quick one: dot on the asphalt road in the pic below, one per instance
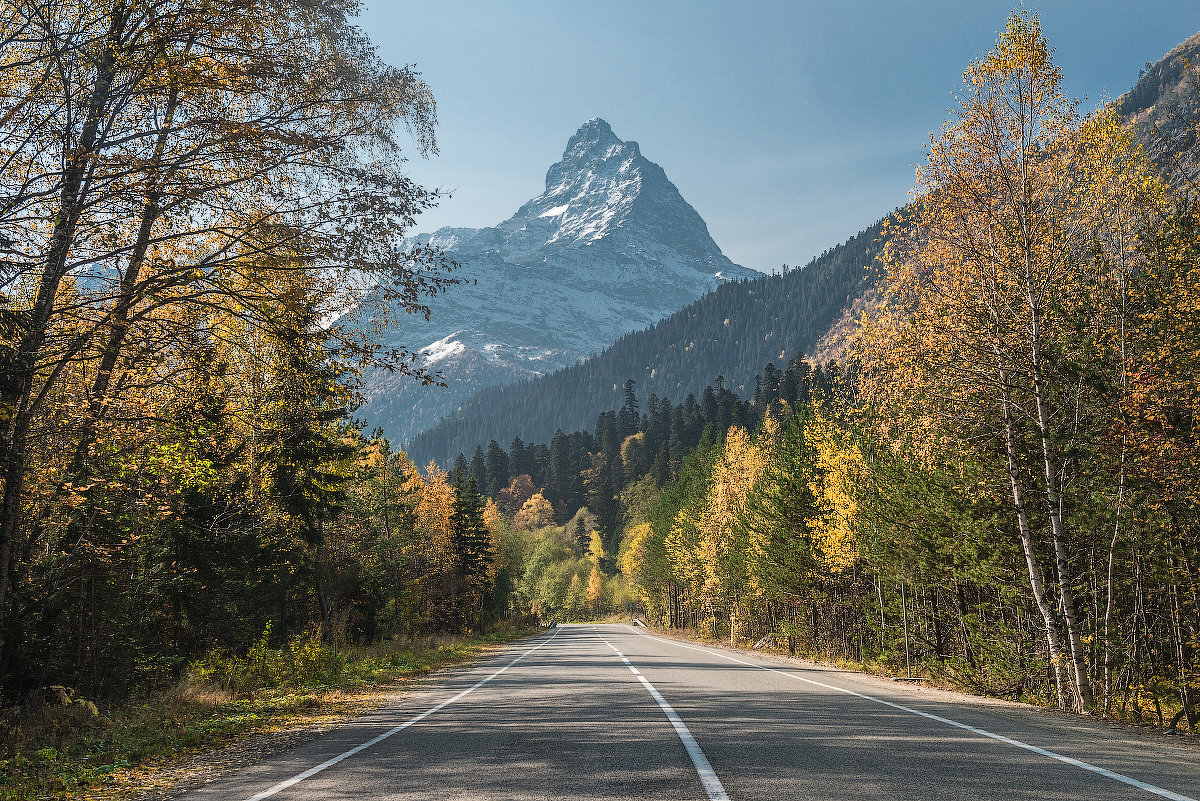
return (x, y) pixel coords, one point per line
(593, 712)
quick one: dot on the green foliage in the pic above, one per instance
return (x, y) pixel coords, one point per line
(306, 660)
(556, 579)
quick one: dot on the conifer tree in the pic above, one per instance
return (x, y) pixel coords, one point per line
(473, 549)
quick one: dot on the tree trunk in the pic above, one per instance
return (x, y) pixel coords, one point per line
(17, 393)
(1052, 474)
(1110, 575)
(1036, 581)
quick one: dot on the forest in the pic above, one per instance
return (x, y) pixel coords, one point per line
(997, 487)
(732, 332)
(1001, 490)
(199, 232)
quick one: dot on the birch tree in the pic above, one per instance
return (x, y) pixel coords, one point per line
(986, 336)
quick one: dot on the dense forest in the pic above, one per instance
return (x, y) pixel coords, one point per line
(1003, 492)
(732, 331)
(591, 469)
(189, 199)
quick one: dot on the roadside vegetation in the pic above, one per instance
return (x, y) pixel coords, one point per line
(66, 747)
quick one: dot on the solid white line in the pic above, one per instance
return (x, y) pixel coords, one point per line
(1150, 788)
(708, 776)
(313, 771)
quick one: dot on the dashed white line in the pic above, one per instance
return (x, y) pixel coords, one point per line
(329, 763)
(704, 769)
(1120, 777)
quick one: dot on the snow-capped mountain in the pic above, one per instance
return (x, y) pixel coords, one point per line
(610, 247)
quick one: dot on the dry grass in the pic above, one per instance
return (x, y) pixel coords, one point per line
(74, 751)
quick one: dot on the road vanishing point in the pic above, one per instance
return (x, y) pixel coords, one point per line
(612, 712)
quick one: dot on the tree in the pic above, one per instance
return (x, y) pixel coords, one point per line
(595, 591)
(188, 157)
(474, 551)
(496, 469)
(628, 419)
(780, 511)
(708, 543)
(1025, 211)
(514, 496)
(535, 513)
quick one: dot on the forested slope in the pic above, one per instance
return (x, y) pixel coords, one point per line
(732, 331)
(1006, 493)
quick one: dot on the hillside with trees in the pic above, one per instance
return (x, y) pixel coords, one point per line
(1004, 494)
(732, 331)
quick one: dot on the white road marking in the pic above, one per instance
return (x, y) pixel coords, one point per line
(1150, 788)
(313, 771)
(708, 776)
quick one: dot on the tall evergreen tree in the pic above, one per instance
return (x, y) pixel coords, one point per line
(478, 468)
(473, 551)
(496, 468)
(628, 418)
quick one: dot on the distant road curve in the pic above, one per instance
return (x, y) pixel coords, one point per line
(609, 711)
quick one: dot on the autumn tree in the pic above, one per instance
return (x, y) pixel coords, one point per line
(173, 155)
(513, 497)
(535, 513)
(1025, 213)
(708, 541)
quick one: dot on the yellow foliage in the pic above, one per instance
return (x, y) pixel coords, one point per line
(634, 557)
(708, 546)
(434, 513)
(495, 522)
(840, 466)
(596, 548)
(595, 589)
(535, 513)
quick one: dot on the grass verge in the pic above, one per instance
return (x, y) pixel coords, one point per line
(1150, 709)
(68, 748)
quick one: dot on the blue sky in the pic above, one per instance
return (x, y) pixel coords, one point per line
(788, 125)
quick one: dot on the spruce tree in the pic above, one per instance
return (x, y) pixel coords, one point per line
(473, 549)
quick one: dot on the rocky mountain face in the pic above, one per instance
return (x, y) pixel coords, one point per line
(1163, 107)
(610, 247)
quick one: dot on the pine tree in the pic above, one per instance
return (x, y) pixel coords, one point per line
(473, 548)
(496, 468)
(628, 419)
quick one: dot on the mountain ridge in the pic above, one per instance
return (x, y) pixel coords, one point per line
(609, 246)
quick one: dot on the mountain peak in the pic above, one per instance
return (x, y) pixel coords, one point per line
(595, 141)
(594, 130)
(610, 246)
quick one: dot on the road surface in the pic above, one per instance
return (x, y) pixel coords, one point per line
(609, 711)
